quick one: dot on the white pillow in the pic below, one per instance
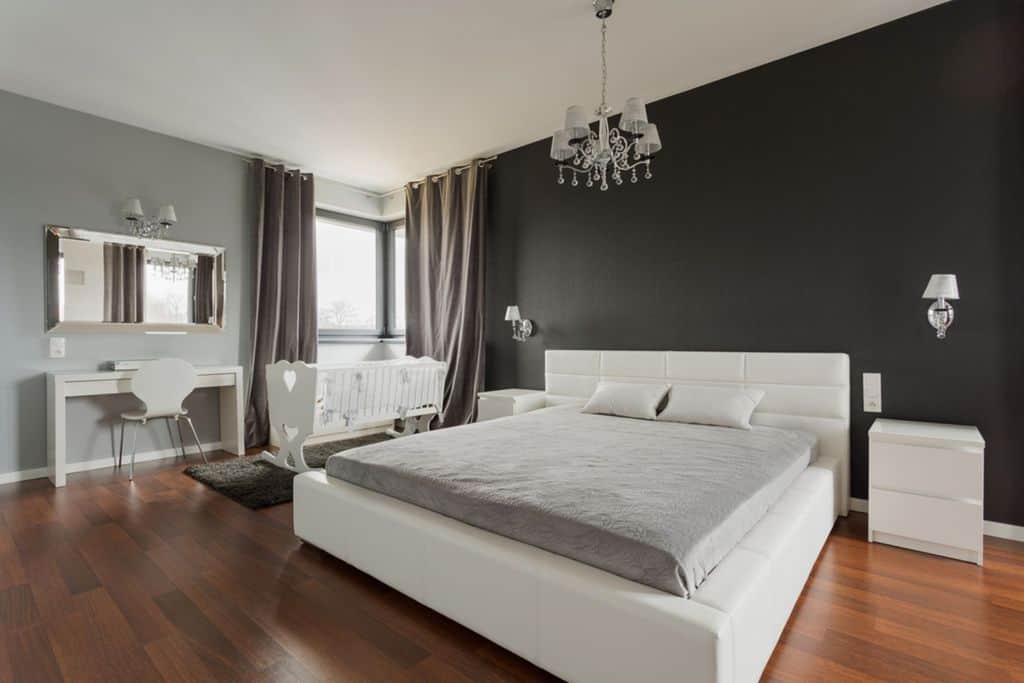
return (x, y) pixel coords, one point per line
(627, 399)
(719, 406)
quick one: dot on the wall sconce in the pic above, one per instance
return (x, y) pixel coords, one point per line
(940, 314)
(521, 329)
(143, 227)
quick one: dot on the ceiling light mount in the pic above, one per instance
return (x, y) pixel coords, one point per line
(603, 8)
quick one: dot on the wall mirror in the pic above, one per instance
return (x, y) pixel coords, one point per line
(104, 281)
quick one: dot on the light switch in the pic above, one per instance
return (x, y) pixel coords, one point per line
(58, 347)
(872, 392)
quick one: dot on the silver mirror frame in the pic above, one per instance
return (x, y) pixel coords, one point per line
(52, 236)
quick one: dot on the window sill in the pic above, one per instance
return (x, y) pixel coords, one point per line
(357, 339)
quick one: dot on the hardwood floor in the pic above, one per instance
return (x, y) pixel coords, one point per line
(165, 579)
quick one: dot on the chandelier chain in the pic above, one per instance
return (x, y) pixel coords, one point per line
(604, 66)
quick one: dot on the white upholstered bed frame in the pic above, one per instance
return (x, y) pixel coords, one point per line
(582, 623)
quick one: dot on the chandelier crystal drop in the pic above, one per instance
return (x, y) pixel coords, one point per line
(608, 153)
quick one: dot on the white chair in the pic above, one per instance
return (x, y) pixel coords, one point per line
(162, 385)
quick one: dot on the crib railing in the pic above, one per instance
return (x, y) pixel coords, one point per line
(306, 400)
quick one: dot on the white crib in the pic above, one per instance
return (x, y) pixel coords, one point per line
(305, 400)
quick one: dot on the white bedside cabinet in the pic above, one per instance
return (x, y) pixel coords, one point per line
(927, 485)
(506, 402)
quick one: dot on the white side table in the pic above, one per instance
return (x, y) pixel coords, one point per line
(927, 483)
(507, 402)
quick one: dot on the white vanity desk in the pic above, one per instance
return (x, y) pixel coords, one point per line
(61, 386)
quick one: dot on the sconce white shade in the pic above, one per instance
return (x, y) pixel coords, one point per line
(132, 209)
(634, 116)
(576, 124)
(941, 287)
(167, 215)
(512, 313)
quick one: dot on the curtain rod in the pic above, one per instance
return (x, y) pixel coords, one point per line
(459, 168)
(484, 162)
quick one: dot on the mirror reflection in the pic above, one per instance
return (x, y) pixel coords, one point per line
(98, 279)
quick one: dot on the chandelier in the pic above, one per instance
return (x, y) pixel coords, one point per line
(610, 152)
(171, 266)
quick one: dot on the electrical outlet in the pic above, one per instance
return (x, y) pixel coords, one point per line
(872, 392)
(58, 347)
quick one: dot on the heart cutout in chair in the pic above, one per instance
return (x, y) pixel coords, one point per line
(289, 433)
(289, 378)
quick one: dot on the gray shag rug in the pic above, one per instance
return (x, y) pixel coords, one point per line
(255, 483)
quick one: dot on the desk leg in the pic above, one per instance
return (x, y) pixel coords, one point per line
(56, 432)
(232, 416)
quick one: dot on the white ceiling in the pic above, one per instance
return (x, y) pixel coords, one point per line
(377, 92)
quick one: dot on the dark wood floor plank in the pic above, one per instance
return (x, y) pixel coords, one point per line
(217, 652)
(17, 607)
(96, 643)
(76, 573)
(164, 579)
(176, 660)
(27, 655)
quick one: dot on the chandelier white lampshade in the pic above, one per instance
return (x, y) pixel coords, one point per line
(132, 209)
(607, 153)
(167, 215)
(512, 314)
(634, 116)
(941, 286)
(576, 126)
(561, 150)
(649, 143)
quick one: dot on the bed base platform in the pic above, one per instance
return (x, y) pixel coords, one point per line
(578, 622)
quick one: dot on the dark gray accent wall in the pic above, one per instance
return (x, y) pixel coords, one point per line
(801, 206)
(68, 168)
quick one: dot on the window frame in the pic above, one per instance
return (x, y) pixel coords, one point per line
(391, 228)
(385, 297)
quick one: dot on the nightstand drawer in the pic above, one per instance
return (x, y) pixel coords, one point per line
(944, 472)
(492, 408)
(936, 520)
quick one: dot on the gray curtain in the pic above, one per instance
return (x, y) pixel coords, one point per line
(124, 283)
(445, 228)
(284, 325)
(205, 306)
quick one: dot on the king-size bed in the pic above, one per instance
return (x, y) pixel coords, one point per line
(600, 547)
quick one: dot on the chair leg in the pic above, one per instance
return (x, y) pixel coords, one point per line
(120, 452)
(181, 439)
(135, 443)
(195, 436)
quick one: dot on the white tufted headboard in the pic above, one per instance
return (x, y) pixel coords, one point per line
(809, 391)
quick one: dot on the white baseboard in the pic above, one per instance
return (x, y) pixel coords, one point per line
(22, 475)
(101, 463)
(1010, 532)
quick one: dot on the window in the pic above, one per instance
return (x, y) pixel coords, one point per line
(168, 288)
(360, 277)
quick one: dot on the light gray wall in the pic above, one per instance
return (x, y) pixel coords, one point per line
(63, 167)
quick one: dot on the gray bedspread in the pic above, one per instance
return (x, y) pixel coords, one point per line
(660, 503)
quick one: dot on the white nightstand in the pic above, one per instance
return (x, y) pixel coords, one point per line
(927, 484)
(506, 402)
